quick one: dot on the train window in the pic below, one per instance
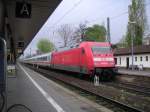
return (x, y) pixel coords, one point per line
(46, 58)
(101, 49)
(35, 59)
(49, 58)
(40, 59)
(43, 58)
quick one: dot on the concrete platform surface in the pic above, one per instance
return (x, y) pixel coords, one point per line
(43, 95)
(135, 72)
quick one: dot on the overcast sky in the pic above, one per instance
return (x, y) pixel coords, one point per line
(75, 12)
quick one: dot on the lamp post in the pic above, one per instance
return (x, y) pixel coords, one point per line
(108, 30)
(132, 35)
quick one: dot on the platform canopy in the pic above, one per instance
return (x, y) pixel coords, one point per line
(24, 18)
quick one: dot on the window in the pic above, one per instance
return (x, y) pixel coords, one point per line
(146, 58)
(141, 58)
(44, 58)
(115, 60)
(49, 58)
(120, 60)
(135, 58)
(101, 49)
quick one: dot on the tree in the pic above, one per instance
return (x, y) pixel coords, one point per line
(122, 43)
(44, 46)
(136, 30)
(95, 33)
(79, 33)
(66, 33)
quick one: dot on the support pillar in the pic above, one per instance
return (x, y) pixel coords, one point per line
(2, 18)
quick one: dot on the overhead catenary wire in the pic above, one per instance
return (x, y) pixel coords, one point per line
(116, 16)
(70, 10)
(65, 14)
(119, 15)
(56, 23)
(124, 13)
(79, 2)
(61, 18)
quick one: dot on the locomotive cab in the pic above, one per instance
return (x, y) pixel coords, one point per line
(100, 59)
(103, 61)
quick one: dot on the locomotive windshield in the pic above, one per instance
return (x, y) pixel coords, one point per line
(101, 49)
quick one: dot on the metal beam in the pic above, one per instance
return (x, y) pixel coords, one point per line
(2, 17)
(24, 29)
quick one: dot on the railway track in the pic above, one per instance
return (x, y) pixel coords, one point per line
(145, 91)
(89, 88)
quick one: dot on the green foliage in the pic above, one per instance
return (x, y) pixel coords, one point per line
(136, 30)
(128, 38)
(122, 43)
(44, 45)
(95, 33)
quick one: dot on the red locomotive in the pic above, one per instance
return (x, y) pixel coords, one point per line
(90, 58)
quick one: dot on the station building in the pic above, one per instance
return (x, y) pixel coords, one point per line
(141, 57)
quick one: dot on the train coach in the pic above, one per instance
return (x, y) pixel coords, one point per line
(88, 59)
(40, 60)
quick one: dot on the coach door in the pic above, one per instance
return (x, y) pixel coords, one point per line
(82, 61)
(127, 62)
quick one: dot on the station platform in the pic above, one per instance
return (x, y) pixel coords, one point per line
(44, 95)
(145, 73)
